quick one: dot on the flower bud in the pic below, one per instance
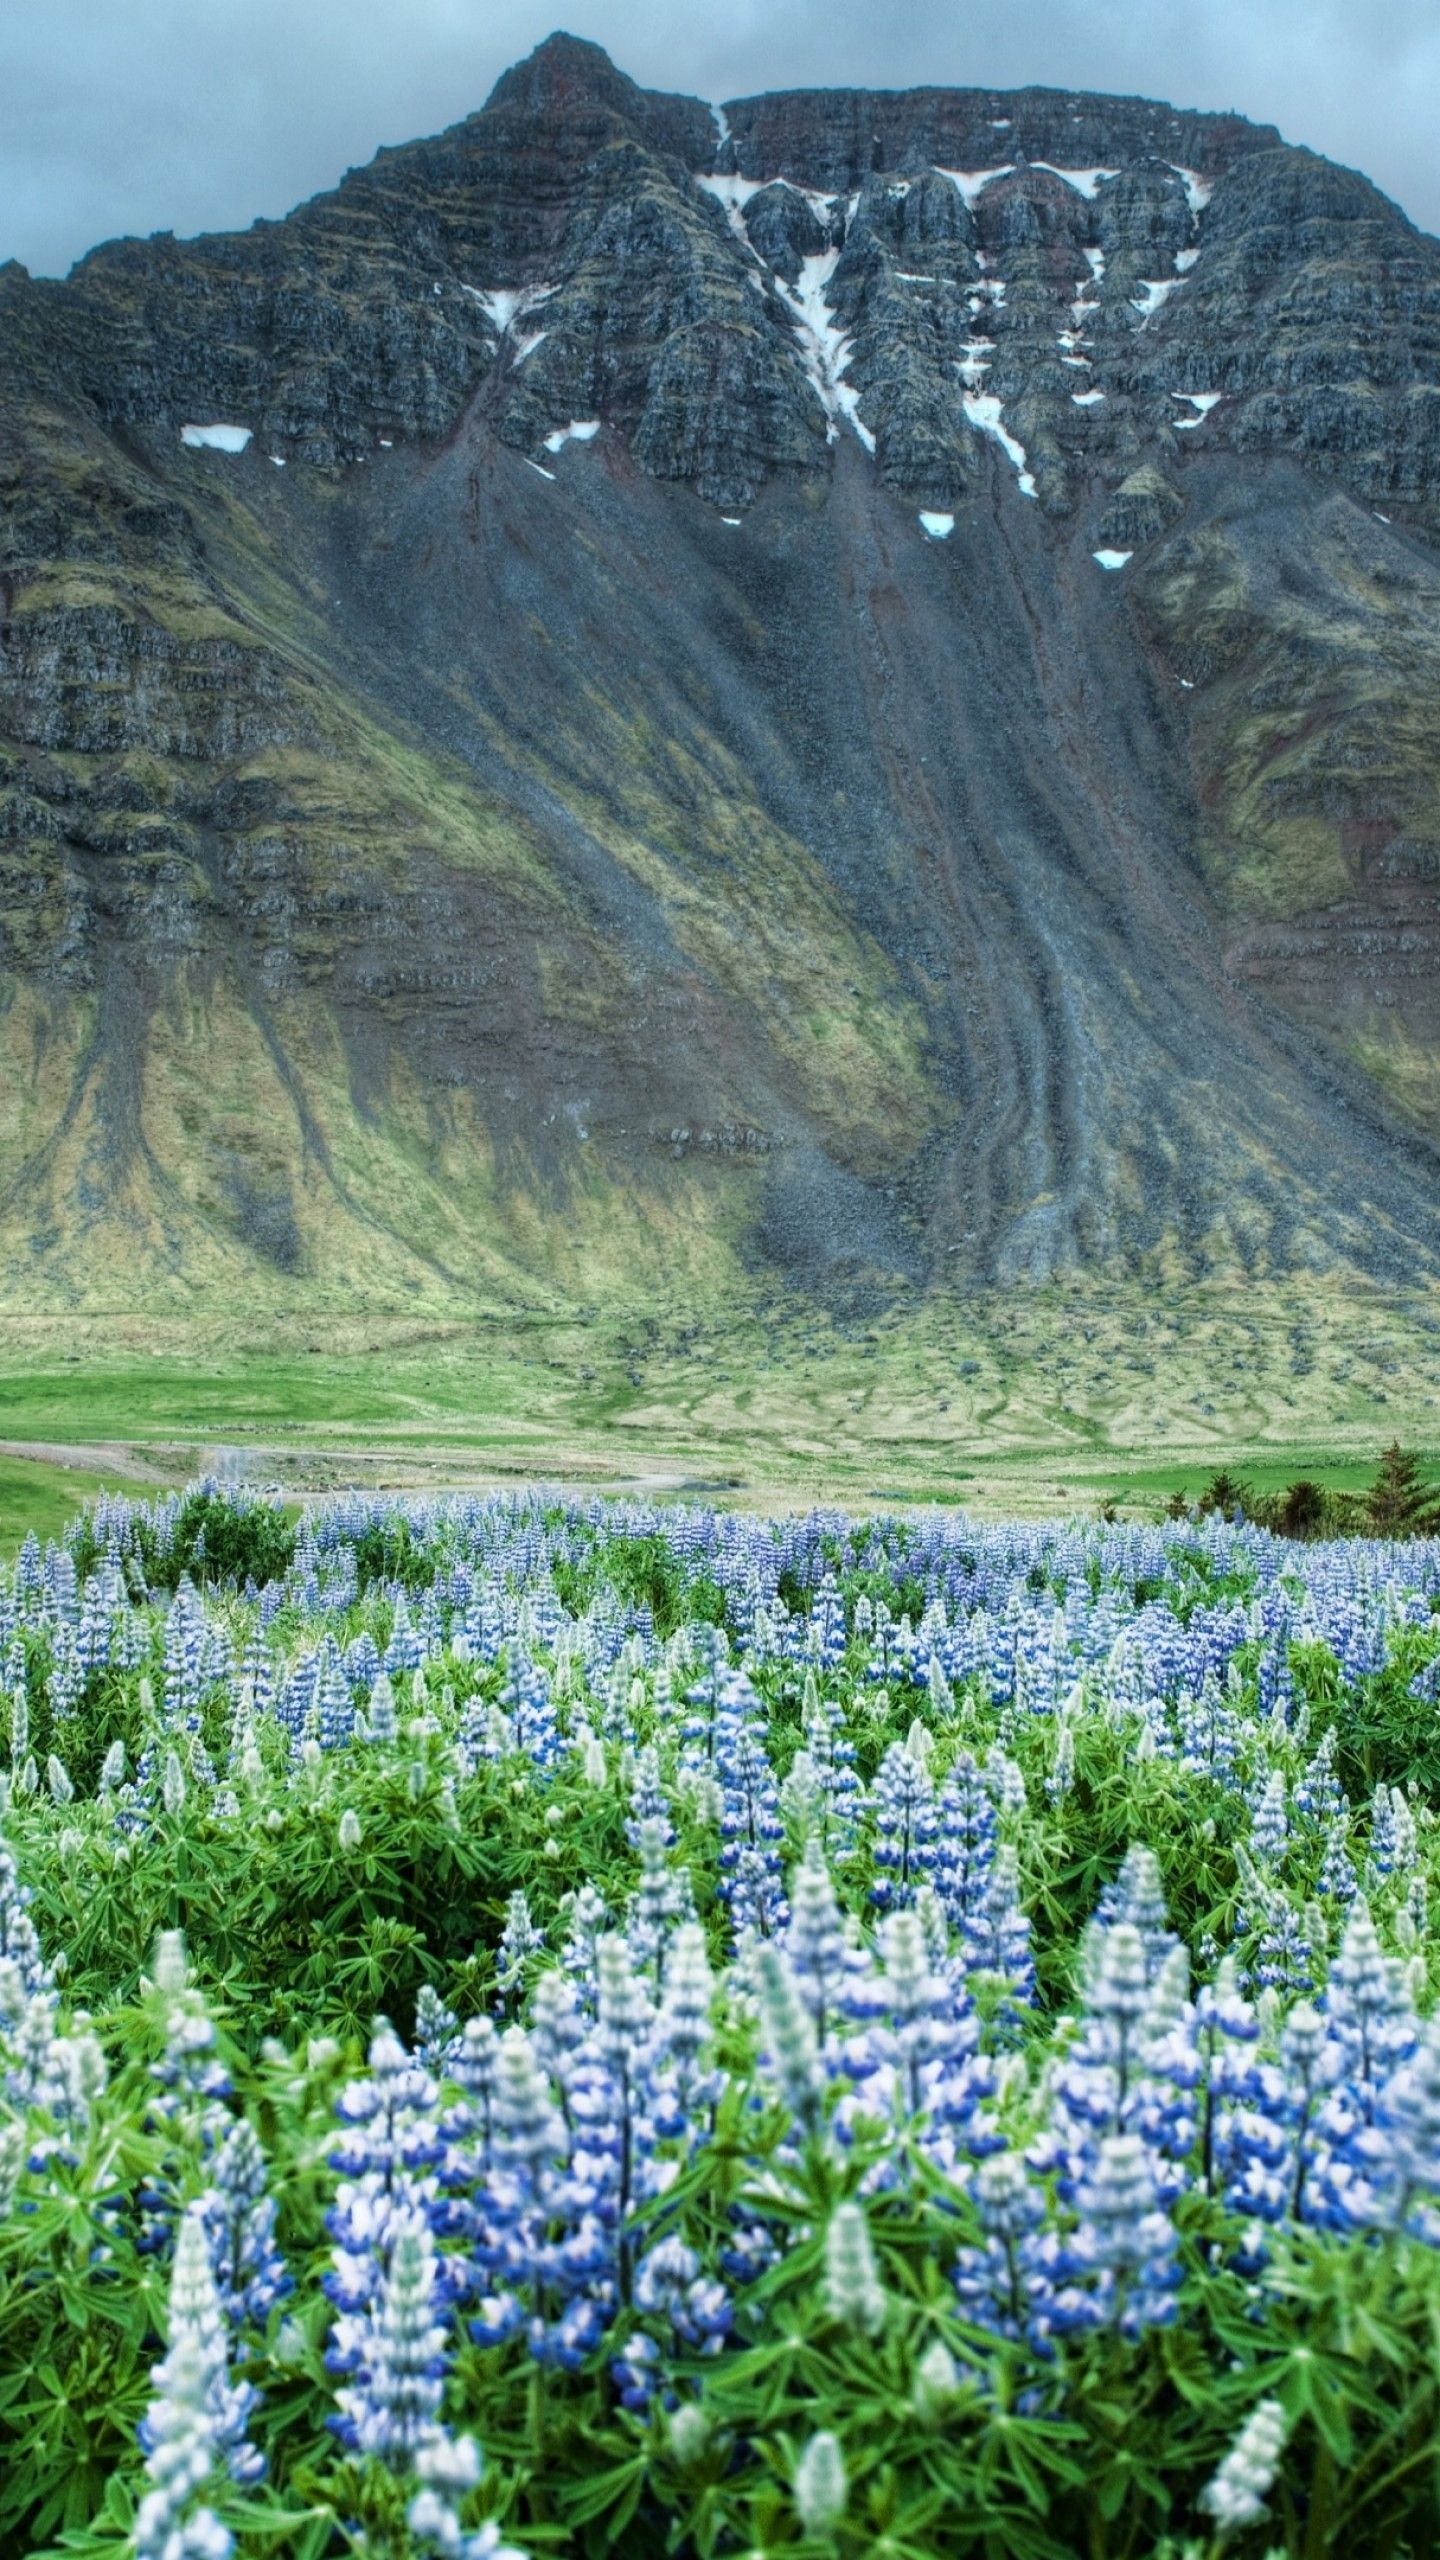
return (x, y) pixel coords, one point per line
(689, 2433)
(937, 2379)
(821, 2488)
(172, 1970)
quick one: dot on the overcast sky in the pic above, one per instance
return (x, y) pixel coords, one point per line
(196, 115)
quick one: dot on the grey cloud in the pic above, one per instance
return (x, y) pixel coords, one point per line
(189, 115)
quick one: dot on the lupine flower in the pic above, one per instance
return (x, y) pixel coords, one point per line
(854, 2294)
(197, 2421)
(520, 1940)
(663, 1897)
(682, 2028)
(1133, 2068)
(238, 2215)
(690, 2308)
(19, 1940)
(821, 2490)
(1337, 1872)
(1237, 2494)
(393, 2352)
(835, 1979)
(446, 2469)
(905, 1826)
(1137, 1897)
(436, 2029)
(965, 1842)
(1124, 2239)
(193, 2083)
(1409, 2171)
(1270, 1826)
(996, 1934)
(1019, 2281)
(790, 2048)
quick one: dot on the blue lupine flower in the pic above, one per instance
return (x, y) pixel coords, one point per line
(996, 1934)
(238, 2215)
(835, 1978)
(520, 1942)
(1020, 2282)
(393, 2350)
(1124, 2240)
(966, 1839)
(905, 1853)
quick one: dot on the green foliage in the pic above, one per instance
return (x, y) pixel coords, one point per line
(387, 1552)
(213, 1537)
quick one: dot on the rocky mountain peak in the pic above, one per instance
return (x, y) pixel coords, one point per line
(567, 77)
(843, 680)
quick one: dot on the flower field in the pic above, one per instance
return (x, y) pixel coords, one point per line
(545, 2027)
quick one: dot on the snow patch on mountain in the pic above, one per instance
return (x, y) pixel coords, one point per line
(984, 411)
(216, 439)
(826, 349)
(579, 431)
(971, 183)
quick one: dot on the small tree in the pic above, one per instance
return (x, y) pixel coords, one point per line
(1399, 1503)
(1226, 1493)
(1302, 1510)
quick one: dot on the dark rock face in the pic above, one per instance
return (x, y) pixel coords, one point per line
(1145, 505)
(411, 821)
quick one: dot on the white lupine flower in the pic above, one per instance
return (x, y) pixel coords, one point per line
(112, 1768)
(195, 2425)
(1237, 2494)
(790, 2036)
(172, 1785)
(172, 1970)
(854, 2294)
(821, 2488)
(349, 1833)
(14, 2152)
(447, 2468)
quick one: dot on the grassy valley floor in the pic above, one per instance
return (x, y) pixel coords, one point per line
(1043, 1400)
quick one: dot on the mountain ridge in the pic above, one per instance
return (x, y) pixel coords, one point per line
(461, 863)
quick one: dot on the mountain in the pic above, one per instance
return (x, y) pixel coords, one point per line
(648, 700)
